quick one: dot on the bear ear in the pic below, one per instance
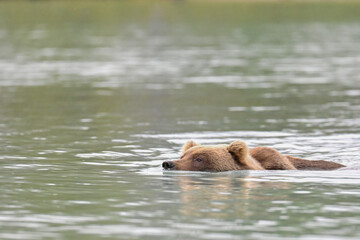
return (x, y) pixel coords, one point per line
(188, 145)
(239, 151)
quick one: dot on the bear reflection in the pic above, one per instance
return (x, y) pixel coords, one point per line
(227, 196)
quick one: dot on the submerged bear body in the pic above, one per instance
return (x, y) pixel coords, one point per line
(237, 156)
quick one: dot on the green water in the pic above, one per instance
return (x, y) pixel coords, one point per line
(94, 96)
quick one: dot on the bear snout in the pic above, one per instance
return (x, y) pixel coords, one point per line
(168, 165)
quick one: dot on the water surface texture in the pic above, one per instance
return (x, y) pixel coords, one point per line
(95, 95)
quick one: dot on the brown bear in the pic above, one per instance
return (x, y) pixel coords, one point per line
(237, 156)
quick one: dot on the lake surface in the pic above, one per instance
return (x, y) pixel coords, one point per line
(94, 96)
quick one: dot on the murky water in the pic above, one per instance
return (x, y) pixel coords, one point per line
(94, 96)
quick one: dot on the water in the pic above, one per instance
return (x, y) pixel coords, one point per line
(94, 96)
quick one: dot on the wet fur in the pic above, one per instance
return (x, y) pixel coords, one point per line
(237, 156)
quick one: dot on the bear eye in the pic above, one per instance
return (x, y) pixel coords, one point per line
(198, 159)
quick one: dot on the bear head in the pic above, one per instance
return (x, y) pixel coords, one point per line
(196, 157)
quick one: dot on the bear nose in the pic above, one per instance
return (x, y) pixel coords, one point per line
(168, 165)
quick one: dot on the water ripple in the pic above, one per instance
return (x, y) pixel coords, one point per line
(104, 154)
